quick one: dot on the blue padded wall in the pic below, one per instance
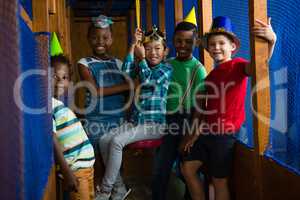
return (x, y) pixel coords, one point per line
(38, 158)
(285, 84)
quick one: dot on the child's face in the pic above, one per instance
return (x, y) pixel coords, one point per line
(220, 48)
(60, 79)
(155, 52)
(184, 43)
(100, 40)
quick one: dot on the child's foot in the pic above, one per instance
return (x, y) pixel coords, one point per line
(102, 196)
(120, 192)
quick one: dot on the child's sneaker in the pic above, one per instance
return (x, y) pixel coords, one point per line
(102, 196)
(120, 192)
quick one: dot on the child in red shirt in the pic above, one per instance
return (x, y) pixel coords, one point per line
(224, 112)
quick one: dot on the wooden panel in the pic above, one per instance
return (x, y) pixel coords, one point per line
(50, 190)
(161, 15)
(242, 186)
(149, 14)
(205, 19)
(279, 183)
(178, 11)
(40, 17)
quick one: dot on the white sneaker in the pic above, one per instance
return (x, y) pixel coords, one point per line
(120, 192)
(102, 196)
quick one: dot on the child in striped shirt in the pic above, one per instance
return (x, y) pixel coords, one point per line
(73, 151)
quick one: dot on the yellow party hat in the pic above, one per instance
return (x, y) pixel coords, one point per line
(55, 47)
(191, 17)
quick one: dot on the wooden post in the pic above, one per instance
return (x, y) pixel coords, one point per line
(261, 96)
(205, 21)
(161, 15)
(40, 17)
(149, 14)
(178, 11)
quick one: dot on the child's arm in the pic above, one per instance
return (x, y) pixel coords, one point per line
(266, 32)
(86, 75)
(129, 65)
(69, 178)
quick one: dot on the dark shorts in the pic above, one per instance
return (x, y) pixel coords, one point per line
(215, 152)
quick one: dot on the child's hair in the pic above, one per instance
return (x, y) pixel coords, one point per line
(155, 35)
(60, 59)
(186, 26)
(93, 27)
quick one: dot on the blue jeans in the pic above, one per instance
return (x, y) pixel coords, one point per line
(166, 154)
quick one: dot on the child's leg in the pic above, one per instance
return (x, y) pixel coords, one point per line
(189, 170)
(221, 156)
(163, 162)
(85, 191)
(104, 144)
(221, 188)
(126, 135)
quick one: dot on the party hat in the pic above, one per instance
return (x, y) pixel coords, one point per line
(55, 47)
(191, 17)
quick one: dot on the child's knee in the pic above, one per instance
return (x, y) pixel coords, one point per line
(117, 143)
(219, 182)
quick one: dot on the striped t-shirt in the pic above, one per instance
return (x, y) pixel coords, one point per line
(76, 147)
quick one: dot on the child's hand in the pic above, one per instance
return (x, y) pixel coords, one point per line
(139, 51)
(71, 182)
(138, 36)
(187, 144)
(264, 31)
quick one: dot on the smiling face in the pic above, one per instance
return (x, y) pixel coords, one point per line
(100, 40)
(60, 79)
(155, 52)
(184, 43)
(220, 48)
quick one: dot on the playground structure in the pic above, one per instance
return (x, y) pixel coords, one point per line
(267, 158)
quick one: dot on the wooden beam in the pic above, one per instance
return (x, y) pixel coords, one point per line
(205, 21)
(161, 15)
(178, 11)
(40, 17)
(149, 14)
(52, 6)
(261, 96)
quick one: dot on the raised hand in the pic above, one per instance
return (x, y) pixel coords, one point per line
(264, 30)
(138, 36)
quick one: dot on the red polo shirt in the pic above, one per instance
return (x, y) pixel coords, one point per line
(226, 90)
